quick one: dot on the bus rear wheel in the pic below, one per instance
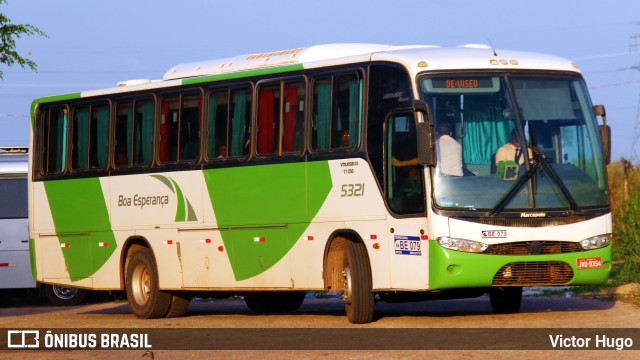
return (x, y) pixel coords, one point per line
(274, 302)
(357, 285)
(179, 303)
(142, 286)
(506, 300)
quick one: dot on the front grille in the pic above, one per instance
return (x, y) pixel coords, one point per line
(527, 222)
(534, 274)
(533, 248)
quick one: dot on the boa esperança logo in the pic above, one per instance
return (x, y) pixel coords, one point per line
(184, 209)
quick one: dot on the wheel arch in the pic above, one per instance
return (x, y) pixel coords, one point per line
(131, 245)
(333, 261)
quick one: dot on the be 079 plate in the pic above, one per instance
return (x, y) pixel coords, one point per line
(589, 263)
(407, 245)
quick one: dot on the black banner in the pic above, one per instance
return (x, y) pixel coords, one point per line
(356, 338)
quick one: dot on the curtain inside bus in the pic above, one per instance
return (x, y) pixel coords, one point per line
(145, 128)
(323, 107)
(81, 150)
(485, 130)
(129, 134)
(62, 141)
(290, 117)
(211, 126)
(266, 122)
(353, 112)
(164, 132)
(239, 122)
(102, 141)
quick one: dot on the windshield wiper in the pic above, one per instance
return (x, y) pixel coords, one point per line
(538, 161)
(556, 178)
(515, 189)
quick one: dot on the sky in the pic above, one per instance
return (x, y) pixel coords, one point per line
(95, 44)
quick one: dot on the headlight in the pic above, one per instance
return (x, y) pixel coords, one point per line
(462, 244)
(596, 242)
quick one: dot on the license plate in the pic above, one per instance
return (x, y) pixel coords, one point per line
(487, 234)
(407, 245)
(589, 263)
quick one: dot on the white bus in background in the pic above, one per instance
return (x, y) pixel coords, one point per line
(15, 265)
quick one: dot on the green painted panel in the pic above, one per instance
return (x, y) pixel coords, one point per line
(264, 196)
(32, 258)
(449, 269)
(242, 74)
(78, 208)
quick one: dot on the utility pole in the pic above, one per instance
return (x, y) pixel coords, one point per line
(634, 47)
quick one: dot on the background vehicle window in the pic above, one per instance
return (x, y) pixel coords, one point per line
(13, 198)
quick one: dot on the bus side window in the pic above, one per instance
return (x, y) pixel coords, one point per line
(53, 139)
(293, 127)
(80, 139)
(389, 88)
(240, 116)
(346, 112)
(90, 137)
(169, 129)
(124, 134)
(268, 119)
(322, 113)
(218, 125)
(143, 130)
(99, 137)
(190, 128)
(134, 133)
(280, 123)
(337, 112)
(405, 186)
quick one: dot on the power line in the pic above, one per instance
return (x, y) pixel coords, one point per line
(14, 115)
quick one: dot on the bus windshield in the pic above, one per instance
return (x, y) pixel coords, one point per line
(515, 142)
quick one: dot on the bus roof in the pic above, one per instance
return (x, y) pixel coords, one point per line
(415, 58)
(13, 160)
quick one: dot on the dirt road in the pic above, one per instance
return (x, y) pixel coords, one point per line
(536, 312)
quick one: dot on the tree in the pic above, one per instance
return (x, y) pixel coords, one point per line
(8, 34)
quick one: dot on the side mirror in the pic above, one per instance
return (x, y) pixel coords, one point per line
(426, 135)
(605, 137)
(605, 132)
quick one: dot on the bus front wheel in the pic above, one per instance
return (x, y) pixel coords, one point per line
(506, 300)
(142, 286)
(357, 284)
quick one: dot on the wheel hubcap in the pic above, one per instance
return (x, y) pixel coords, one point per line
(141, 284)
(65, 293)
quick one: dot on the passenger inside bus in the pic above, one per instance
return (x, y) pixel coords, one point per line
(449, 151)
(512, 150)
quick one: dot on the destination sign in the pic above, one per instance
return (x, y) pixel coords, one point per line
(459, 85)
(479, 83)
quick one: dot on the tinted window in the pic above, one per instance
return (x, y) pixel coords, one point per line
(337, 111)
(13, 198)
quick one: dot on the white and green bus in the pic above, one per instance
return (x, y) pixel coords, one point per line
(326, 168)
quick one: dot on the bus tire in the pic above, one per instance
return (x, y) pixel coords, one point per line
(274, 302)
(357, 284)
(179, 304)
(506, 300)
(60, 295)
(142, 287)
